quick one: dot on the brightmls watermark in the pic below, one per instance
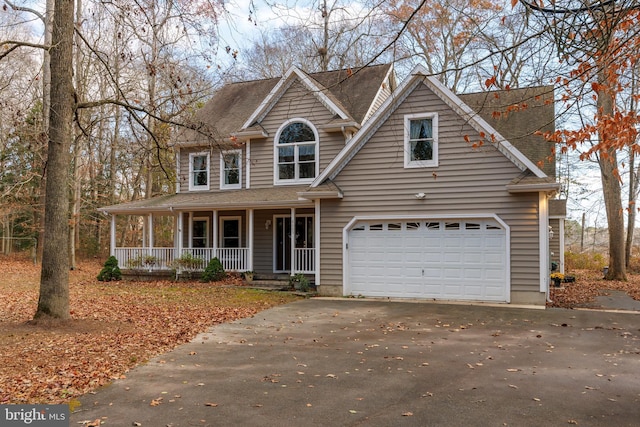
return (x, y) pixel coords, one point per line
(34, 415)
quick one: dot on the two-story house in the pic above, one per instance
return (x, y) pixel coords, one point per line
(369, 187)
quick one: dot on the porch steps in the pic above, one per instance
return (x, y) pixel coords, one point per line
(272, 285)
(273, 282)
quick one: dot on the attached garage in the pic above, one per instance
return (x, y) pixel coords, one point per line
(453, 259)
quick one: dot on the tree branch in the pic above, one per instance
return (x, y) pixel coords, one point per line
(14, 44)
(25, 9)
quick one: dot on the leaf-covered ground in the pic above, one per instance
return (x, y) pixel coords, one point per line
(590, 284)
(114, 327)
(118, 325)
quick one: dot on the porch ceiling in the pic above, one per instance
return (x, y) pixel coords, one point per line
(290, 196)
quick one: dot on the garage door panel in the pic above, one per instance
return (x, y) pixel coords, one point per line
(429, 259)
(473, 273)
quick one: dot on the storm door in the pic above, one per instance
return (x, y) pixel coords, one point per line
(304, 239)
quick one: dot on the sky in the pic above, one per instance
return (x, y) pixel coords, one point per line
(243, 21)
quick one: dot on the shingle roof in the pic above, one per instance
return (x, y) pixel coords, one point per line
(518, 114)
(285, 196)
(224, 115)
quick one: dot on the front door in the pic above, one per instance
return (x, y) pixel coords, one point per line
(282, 230)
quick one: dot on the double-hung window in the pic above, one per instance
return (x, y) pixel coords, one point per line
(421, 140)
(296, 153)
(231, 169)
(198, 171)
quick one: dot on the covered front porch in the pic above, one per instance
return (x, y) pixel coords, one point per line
(268, 237)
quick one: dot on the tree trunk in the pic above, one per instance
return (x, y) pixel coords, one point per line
(608, 162)
(633, 183)
(54, 279)
(631, 218)
(46, 104)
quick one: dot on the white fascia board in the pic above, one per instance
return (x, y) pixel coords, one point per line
(387, 78)
(481, 125)
(388, 106)
(418, 74)
(282, 85)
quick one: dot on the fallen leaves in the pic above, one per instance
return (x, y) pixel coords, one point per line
(589, 285)
(114, 327)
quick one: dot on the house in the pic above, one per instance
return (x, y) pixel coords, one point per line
(368, 187)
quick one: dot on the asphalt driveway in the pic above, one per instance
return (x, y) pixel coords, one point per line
(342, 362)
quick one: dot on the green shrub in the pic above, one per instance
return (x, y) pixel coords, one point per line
(299, 282)
(110, 271)
(188, 262)
(134, 263)
(214, 271)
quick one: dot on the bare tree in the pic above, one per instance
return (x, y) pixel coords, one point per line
(54, 280)
(599, 39)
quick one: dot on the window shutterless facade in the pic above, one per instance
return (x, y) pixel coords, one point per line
(421, 140)
(198, 171)
(296, 153)
(231, 169)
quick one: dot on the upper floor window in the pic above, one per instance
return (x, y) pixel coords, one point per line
(421, 140)
(296, 152)
(199, 171)
(231, 169)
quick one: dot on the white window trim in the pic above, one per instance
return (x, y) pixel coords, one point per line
(222, 219)
(408, 163)
(276, 145)
(192, 186)
(206, 230)
(224, 186)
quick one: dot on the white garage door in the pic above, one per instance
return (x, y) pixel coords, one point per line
(441, 259)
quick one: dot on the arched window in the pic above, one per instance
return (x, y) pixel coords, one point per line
(296, 152)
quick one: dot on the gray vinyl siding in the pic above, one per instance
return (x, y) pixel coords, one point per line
(209, 215)
(214, 167)
(264, 239)
(466, 181)
(296, 102)
(554, 242)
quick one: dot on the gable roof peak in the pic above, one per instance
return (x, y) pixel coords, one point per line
(419, 74)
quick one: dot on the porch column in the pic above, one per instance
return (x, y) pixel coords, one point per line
(561, 237)
(316, 235)
(145, 232)
(179, 234)
(543, 218)
(293, 241)
(249, 265)
(112, 237)
(150, 226)
(190, 231)
(214, 245)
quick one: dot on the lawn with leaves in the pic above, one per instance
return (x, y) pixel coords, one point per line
(114, 327)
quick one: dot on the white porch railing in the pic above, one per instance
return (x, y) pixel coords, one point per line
(196, 259)
(150, 259)
(305, 260)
